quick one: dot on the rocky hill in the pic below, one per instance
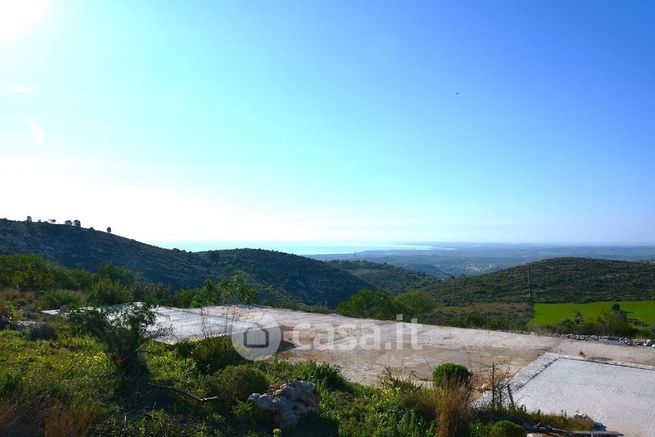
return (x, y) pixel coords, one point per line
(275, 274)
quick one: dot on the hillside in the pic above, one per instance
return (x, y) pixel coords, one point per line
(275, 274)
(553, 280)
(387, 277)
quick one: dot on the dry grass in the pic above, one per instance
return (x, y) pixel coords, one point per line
(59, 420)
(68, 420)
(490, 377)
(11, 294)
(454, 410)
(450, 405)
(29, 297)
(18, 421)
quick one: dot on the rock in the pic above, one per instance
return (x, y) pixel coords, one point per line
(24, 324)
(287, 403)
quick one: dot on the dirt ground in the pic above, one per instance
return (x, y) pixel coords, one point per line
(364, 348)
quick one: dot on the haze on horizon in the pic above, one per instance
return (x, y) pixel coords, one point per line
(202, 121)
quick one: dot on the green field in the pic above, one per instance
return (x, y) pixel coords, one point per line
(553, 313)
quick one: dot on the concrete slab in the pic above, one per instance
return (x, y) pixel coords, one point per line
(619, 395)
(330, 337)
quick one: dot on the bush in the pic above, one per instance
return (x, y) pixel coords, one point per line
(124, 330)
(449, 374)
(415, 302)
(236, 383)
(229, 291)
(371, 305)
(323, 374)
(244, 411)
(107, 292)
(412, 397)
(614, 322)
(60, 298)
(5, 314)
(41, 331)
(9, 384)
(454, 412)
(505, 428)
(211, 354)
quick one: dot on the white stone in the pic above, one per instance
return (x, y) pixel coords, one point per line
(288, 403)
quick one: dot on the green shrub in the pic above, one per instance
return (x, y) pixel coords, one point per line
(211, 354)
(60, 298)
(236, 383)
(5, 314)
(371, 305)
(243, 411)
(323, 374)
(9, 384)
(41, 331)
(123, 329)
(505, 428)
(107, 292)
(228, 291)
(450, 373)
(415, 302)
(412, 397)
(614, 322)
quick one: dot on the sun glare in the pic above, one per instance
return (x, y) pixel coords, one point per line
(17, 16)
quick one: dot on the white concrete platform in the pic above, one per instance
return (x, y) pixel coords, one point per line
(619, 395)
(305, 336)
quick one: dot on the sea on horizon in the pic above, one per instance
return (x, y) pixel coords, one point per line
(297, 248)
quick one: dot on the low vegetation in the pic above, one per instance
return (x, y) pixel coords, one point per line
(102, 374)
(382, 306)
(504, 300)
(553, 281)
(390, 278)
(639, 312)
(496, 316)
(608, 319)
(33, 283)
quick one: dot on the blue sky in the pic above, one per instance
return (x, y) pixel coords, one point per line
(331, 121)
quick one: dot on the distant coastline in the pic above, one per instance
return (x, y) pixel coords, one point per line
(298, 248)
